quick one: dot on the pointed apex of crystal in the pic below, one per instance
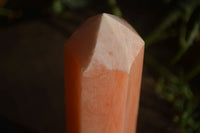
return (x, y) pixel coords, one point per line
(108, 41)
(117, 44)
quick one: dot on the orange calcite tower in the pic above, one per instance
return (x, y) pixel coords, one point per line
(103, 66)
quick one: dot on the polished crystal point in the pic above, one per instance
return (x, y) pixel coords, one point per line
(103, 67)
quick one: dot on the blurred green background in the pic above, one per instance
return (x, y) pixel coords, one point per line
(32, 36)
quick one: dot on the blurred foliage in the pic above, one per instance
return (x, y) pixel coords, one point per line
(173, 85)
(60, 5)
(186, 13)
(176, 91)
(115, 8)
(9, 14)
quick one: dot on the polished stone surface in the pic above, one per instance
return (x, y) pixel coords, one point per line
(103, 68)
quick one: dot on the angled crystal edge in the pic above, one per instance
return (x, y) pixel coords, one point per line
(103, 57)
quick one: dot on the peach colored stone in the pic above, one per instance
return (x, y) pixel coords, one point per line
(103, 67)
